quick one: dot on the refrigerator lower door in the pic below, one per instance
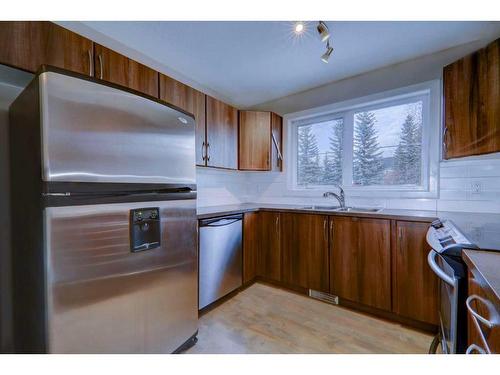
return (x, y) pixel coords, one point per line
(104, 298)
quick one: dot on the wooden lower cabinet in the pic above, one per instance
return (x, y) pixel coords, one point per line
(415, 286)
(269, 254)
(251, 244)
(28, 44)
(360, 260)
(487, 339)
(304, 243)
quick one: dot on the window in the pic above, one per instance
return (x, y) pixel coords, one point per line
(376, 144)
(387, 145)
(320, 153)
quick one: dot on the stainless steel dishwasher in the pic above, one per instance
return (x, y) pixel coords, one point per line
(220, 268)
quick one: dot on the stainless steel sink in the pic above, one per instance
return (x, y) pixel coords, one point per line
(342, 209)
(321, 208)
(358, 209)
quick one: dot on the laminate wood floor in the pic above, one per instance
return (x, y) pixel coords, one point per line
(265, 319)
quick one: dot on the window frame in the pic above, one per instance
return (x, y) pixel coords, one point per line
(429, 92)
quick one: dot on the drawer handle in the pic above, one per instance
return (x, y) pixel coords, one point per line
(474, 347)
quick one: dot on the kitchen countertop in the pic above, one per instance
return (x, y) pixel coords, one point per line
(483, 229)
(214, 211)
(485, 266)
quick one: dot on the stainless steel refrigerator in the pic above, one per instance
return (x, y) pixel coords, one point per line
(104, 219)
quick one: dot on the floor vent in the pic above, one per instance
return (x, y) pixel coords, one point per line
(325, 297)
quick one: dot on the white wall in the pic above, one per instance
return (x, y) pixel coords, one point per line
(218, 187)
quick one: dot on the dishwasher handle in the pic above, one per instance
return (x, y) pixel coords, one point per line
(221, 221)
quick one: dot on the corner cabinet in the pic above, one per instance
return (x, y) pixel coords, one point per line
(360, 260)
(221, 134)
(472, 104)
(259, 141)
(415, 286)
(191, 101)
(27, 45)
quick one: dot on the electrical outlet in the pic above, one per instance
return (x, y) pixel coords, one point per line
(476, 187)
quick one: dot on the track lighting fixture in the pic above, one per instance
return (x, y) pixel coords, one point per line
(323, 31)
(328, 52)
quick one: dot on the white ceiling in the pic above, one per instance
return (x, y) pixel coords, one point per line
(254, 62)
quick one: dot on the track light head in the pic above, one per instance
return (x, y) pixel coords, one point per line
(323, 31)
(327, 54)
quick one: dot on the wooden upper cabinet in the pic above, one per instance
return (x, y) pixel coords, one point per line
(415, 286)
(28, 44)
(277, 132)
(192, 101)
(255, 141)
(257, 150)
(360, 260)
(269, 255)
(251, 244)
(472, 104)
(115, 68)
(304, 242)
(222, 134)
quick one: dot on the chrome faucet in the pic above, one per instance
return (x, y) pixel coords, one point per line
(340, 197)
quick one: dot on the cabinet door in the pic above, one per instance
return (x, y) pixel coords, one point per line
(415, 286)
(251, 244)
(254, 141)
(222, 134)
(269, 256)
(305, 251)
(190, 100)
(360, 260)
(277, 132)
(115, 68)
(28, 44)
(472, 104)
(476, 335)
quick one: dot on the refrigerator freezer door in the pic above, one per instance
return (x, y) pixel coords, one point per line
(104, 298)
(95, 133)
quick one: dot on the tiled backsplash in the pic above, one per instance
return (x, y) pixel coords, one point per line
(468, 185)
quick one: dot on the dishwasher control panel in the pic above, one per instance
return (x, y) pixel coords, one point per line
(145, 229)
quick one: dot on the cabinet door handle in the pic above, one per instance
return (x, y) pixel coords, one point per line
(91, 63)
(100, 66)
(445, 144)
(474, 347)
(400, 234)
(325, 228)
(207, 147)
(488, 323)
(203, 151)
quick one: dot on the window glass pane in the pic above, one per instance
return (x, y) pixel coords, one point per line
(320, 153)
(387, 145)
